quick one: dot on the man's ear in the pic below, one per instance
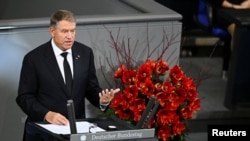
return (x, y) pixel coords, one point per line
(52, 30)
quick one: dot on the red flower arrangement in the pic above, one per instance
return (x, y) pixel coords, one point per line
(176, 92)
(177, 95)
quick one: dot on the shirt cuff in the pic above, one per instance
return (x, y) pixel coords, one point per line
(104, 106)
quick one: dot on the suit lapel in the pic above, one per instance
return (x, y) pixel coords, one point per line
(77, 66)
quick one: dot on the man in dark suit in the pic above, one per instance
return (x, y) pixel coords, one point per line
(42, 92)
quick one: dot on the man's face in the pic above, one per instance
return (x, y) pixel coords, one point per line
(64, 34)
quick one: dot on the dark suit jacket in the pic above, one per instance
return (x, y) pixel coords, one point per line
(42, 88)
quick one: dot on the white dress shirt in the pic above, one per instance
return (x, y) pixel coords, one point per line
(59, 58)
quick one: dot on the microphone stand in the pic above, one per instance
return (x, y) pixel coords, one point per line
(71, 115)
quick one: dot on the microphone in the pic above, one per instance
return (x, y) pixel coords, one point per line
(71, 115)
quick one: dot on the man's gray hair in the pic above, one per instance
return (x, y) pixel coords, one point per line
(61, 15)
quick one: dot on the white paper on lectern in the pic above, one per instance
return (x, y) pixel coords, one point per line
(82, 127)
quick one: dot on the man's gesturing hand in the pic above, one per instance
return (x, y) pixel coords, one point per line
(106, 96)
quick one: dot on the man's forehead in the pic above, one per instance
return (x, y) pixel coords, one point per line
(65, 25)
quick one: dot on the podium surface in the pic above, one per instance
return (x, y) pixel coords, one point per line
(122, 129)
